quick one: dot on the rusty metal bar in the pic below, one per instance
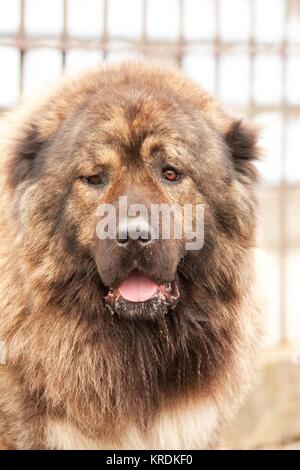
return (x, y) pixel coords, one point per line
(181, 38)
(283, 199)
(64, 36)
(144, 40)
(27, 42)
(104, 40)
(20, 37)
(252, 55)
(218, 47)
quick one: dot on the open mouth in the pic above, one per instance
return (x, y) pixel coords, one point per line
(138, 295)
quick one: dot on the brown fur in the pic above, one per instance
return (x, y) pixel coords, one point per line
(117, 382)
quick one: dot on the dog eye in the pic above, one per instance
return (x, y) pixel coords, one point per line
(95, 180)
(171, 174)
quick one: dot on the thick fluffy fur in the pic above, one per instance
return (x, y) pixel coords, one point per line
(75, 376)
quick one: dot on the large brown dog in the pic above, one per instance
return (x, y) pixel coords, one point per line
(146, 377)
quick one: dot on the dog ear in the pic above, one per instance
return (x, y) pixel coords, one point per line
(25, 148)
(242, 141)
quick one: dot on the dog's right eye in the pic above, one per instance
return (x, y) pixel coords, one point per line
(95, 180)
(170, 174)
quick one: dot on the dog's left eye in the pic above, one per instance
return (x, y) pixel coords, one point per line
(96, 180)
(171, 174)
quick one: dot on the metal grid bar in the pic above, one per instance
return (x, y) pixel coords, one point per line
(21, 38)
(144, 28)
(252, 52)
(283, 189)
(27, 42)
(64, 36)
(104, 42)
(218, 47)
(181, 40)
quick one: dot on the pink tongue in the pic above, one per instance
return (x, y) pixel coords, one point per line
(137, 288)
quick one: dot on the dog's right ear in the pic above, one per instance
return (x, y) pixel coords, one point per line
(241, 139)
(24, 150)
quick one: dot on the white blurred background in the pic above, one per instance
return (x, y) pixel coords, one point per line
(247, 52)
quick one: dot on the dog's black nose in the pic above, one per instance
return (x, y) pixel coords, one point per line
(135, 230)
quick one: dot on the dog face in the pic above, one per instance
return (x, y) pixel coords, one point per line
(151, 144)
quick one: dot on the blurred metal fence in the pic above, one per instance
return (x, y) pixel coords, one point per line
(176, 49)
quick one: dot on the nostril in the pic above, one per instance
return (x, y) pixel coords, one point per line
(135, 231)
(122, 239)
(145, 238)
(122, 236)
(142, 239)
(145, 242)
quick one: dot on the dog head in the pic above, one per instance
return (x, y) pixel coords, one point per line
(148, 139)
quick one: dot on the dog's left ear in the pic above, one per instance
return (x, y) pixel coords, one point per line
(241, 139)
(25, 147)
